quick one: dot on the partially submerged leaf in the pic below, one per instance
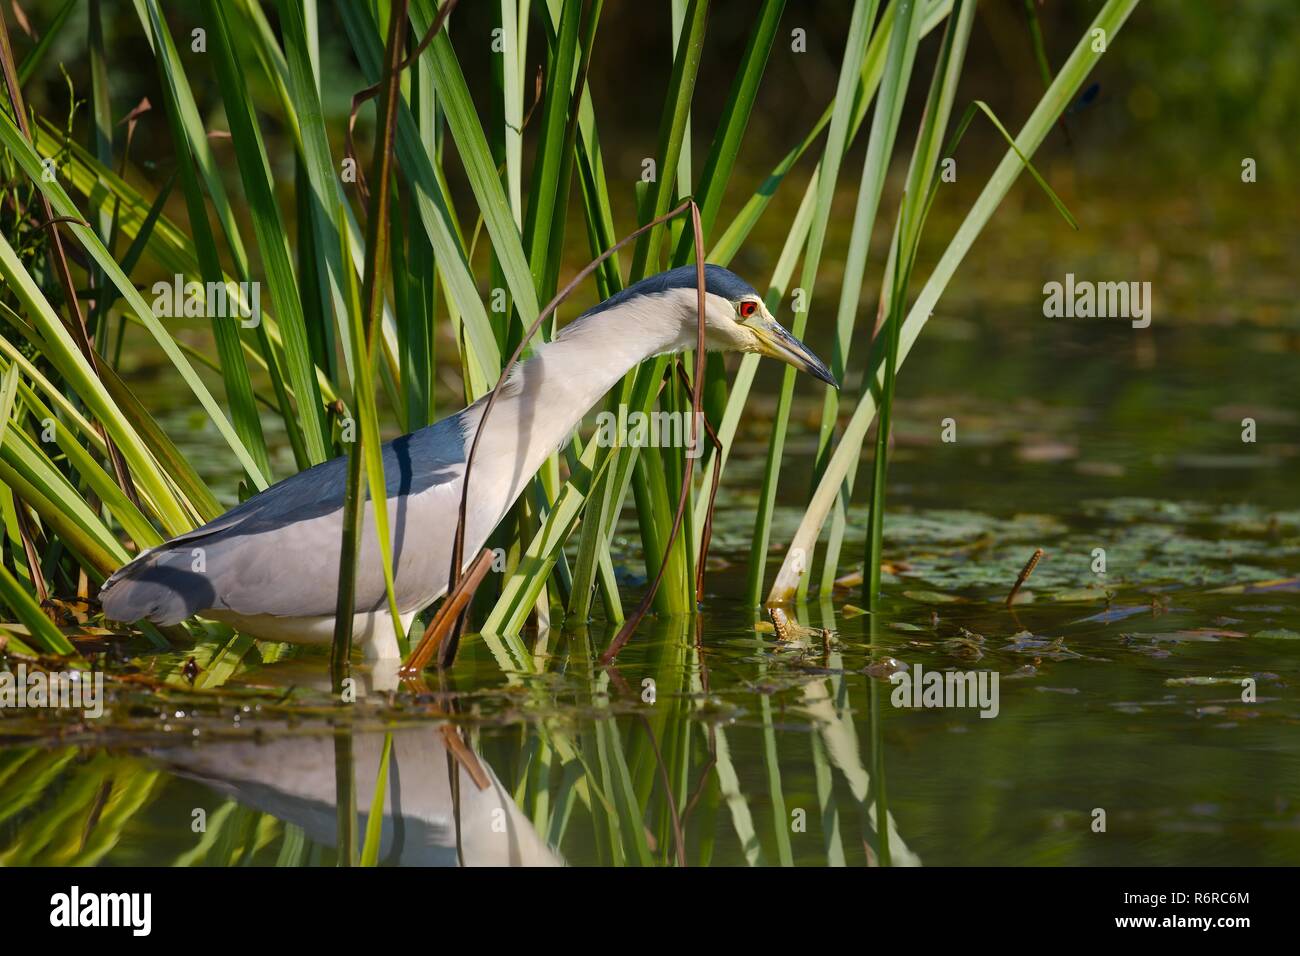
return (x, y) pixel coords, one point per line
(1203, 681)
(933, 597)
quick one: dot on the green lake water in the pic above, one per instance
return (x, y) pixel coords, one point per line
(1147, 715)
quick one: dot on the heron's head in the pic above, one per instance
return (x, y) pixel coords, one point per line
(744, 324)
(736, 319)
(665, 309)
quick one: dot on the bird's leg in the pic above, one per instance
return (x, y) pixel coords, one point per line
(434, 642)
(707, 532)
(382, 643)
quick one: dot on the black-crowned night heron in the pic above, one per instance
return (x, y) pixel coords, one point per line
(270, 565)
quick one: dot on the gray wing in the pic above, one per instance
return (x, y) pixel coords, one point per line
(278, 552)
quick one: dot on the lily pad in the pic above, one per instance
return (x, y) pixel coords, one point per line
(933, 597)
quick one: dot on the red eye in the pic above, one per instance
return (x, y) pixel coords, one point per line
(747, 309)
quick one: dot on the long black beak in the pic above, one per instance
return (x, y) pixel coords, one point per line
(790, 350)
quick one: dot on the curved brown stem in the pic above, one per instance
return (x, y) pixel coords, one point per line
(370, 92)
(706, 534)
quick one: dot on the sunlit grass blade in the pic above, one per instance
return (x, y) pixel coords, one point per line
(119, 505)
(514, 40)
(721, 159)
(365, 316)
(982, 107)
(649, 468)
(744, 378)
(131, 258)
(159, 37)
(921, 172)
(903, 40)
(467, 131)
(855, 49)
(375, 818)
(64, 354)
(41, 632)
(672, 133)
(165, 244)
(435, 212)
(180, 101)
(727, 142)
(902, 273)
(547, 187)
(268, 224)
(738, 230)
(25, 468)
(522, 588)
(8, 391)
(592, 543)
(370, 447)
(180, 475)
(323, 194)
(177, 497)
(225, 328)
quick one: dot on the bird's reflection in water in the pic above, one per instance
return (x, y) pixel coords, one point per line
(292, 777)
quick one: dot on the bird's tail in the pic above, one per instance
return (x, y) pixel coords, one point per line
(160, 586)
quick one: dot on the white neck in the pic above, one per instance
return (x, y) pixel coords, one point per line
(549, 394)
